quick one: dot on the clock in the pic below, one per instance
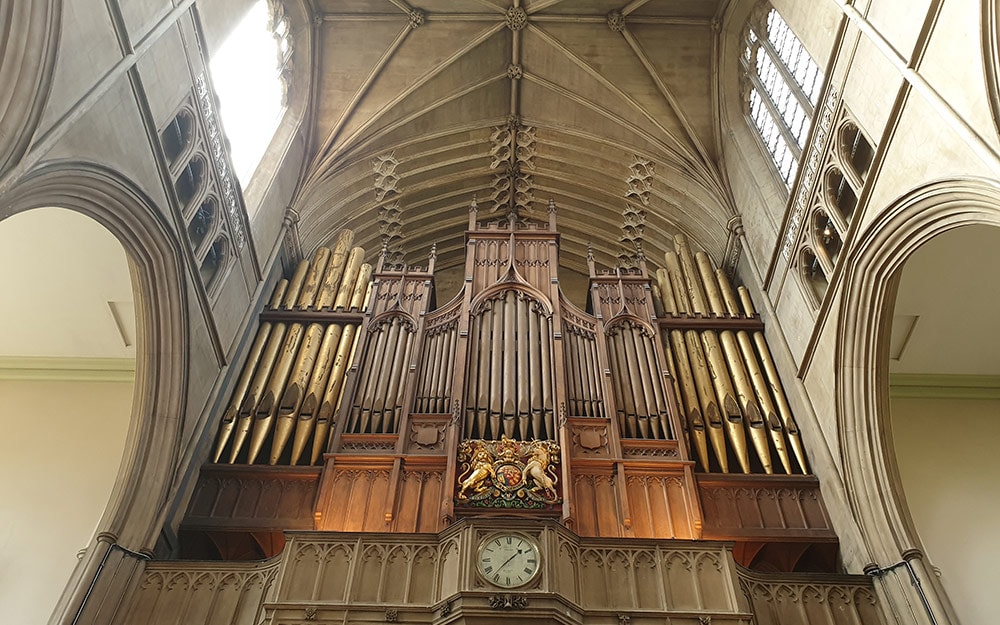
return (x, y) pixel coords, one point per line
(508, 560)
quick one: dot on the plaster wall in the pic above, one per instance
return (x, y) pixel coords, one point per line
(60, 456)
(948, 468)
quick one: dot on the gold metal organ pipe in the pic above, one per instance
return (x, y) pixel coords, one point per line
(295, 285)
(334, 388)
(692, 417)
(346, 290)
(335, 269)
(295, 391)
(251, 403)
(308, 412)
(654, 288)
(741, 381)
(757, 379)
(774, 381)
(699, 368)
(312, 282)
(733, 417)
(231, 415)
(361, 286)
(268, 406)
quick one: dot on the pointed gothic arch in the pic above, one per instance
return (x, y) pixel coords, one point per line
(137, 506)
(874, 487)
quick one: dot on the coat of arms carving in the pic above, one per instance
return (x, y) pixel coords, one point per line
(508, 474)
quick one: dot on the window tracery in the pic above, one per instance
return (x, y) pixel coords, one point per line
(781, 85)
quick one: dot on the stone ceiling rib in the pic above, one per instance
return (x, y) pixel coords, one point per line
(326, 160)
(376, 70)
(637, 49)
(671, 150)
(541, 6)
(348, 148)
(680, 146)
(632, 6)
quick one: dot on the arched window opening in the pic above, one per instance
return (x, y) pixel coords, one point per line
(782, 84)
(190, 181)
(827, 236)
(856, 150)
(813, 274)
(202, 223)
(214, 262)
(841, 196)
(176, 137)
(250, 73)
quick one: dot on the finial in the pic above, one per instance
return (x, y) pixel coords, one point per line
(552, 205)
(434, 250)
(590, 251)
(473, 206)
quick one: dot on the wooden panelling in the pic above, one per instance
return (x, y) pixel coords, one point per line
(741, 507)
(254, 497)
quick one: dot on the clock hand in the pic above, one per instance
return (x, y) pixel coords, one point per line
(519, 552)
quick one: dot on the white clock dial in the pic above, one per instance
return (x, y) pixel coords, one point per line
(508, 560)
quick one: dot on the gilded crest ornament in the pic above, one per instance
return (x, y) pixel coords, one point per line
(508, 474)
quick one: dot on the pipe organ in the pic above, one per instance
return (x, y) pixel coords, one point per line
(645, 415)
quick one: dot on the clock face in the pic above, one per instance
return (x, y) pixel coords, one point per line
(508, 560)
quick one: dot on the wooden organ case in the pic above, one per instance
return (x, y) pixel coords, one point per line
(655, 413)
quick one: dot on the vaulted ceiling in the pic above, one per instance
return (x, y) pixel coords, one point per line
(609, 109)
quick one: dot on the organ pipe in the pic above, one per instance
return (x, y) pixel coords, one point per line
(734, 362)
(699, 368)
(774, 382)
(253, 357)
(281, 396)
(732, 417)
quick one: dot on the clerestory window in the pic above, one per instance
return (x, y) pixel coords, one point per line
(781, 87)
(250, 73)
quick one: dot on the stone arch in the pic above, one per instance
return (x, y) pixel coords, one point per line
(138, 503)
(28, 44)
(862, 400)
